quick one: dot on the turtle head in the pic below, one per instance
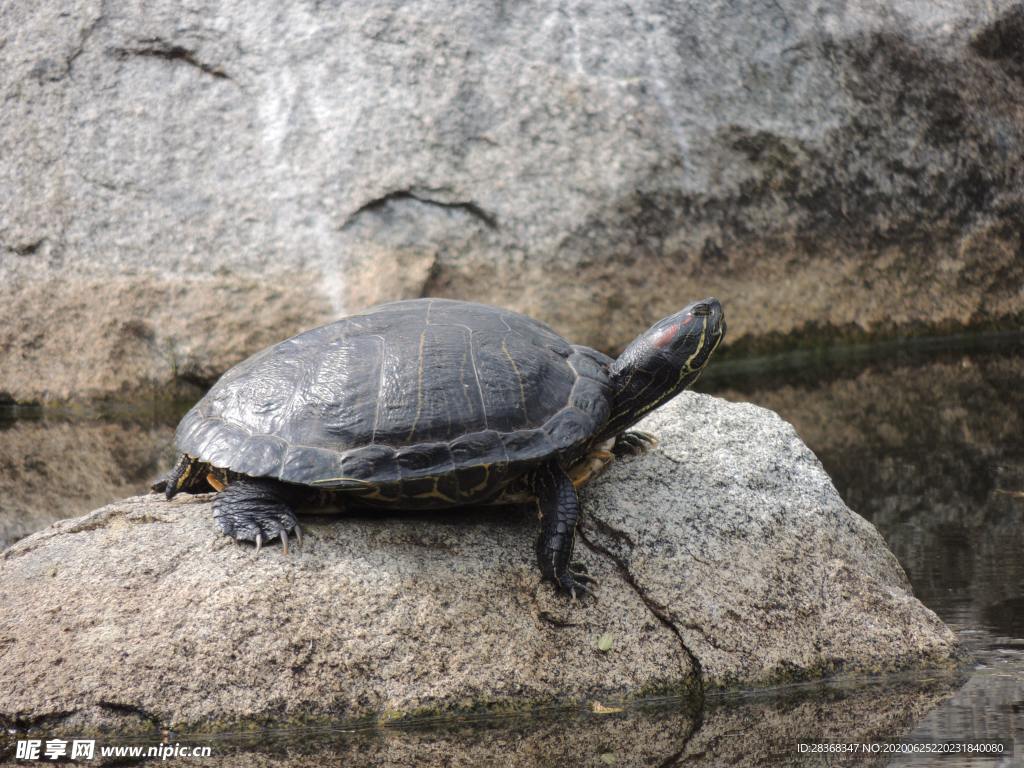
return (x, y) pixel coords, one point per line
(664, 361)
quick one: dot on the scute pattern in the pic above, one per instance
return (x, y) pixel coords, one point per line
(429, 401)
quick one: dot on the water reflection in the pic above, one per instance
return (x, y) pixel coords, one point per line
(745, 730)
(54, 466)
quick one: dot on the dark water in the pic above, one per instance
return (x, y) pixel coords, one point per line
(926, 441)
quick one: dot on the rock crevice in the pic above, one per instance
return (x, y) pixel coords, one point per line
(658, 611)
(162, 49)
(399, 196)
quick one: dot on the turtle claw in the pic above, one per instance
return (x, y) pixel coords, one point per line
(285, 540)
(584, 578)
(573, 584)
(254, 510)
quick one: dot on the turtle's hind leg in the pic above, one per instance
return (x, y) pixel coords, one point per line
(187, 475)
(251, 509)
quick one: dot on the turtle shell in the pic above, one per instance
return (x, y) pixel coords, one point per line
(428, 402)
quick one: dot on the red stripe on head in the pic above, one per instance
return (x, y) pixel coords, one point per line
(665, 338)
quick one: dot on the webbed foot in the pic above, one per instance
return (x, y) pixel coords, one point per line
(634, 443)
(257, 511)
(575, 585)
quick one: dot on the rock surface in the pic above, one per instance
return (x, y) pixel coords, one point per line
(725, 558)
(224, 174)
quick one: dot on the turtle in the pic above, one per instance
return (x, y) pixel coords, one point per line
(426, 404)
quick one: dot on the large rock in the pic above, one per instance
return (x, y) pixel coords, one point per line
(725, 558)
(223, 174)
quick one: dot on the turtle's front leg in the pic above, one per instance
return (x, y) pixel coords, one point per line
(559, 510)
(593, 464)
(600, 456)
(257, 510)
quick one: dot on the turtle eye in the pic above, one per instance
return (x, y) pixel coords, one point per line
(701, 310)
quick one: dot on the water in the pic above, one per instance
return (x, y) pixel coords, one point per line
(927, 442)
(63, 463)
(924, 440)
